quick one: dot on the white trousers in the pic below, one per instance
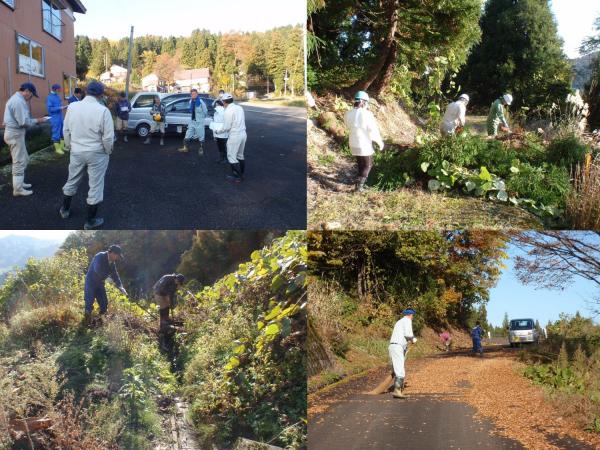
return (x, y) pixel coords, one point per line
(235, 147)
(195, 130)
(96, 164)
(18, 151)
(397, 353)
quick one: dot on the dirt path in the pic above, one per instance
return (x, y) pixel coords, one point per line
(457, 401)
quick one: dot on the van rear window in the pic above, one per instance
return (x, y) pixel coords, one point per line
(521, 324)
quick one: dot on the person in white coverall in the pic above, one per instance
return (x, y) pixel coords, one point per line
(17, 118)
(220, 138)
(234, 123)
(402, 334)
(454, 117)
(89, 134)
(363, 132)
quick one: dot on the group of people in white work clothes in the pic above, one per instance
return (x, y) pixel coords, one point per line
(364, 129)
(87, 131)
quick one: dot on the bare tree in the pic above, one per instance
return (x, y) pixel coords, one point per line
(554, 259)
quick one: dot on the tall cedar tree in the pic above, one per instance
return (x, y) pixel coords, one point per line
(520, 52)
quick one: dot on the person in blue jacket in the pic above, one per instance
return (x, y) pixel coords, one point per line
(55, 108)
(476, 336)
(76, 97)
(195, 129)
(102, 266)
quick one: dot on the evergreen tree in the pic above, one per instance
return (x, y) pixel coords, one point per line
(83, 53)
(520, 52)
(505, 325)
(101, 59)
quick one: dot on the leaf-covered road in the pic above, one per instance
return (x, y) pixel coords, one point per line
(456, 401)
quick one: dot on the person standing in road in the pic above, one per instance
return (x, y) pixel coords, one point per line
(220, 138)
(401, 335)
(122, 110)
(164, 296)
(496, 117)
(159, 117)
(17, 118)
(195, 129)
(476, 335)
(89, 134)
(234, 123)
(76, 97)
(455, 116)
(103, 265)
(363, 132)
(55, 111)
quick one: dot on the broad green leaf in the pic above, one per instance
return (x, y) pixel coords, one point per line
(274, 313)
(239, 349)
(425, 166)
(272, 329)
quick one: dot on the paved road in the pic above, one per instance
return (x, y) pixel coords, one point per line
(382, 422)
(152, 187)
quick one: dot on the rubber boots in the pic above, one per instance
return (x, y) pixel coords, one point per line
(242, 164)
(93, 222)
(62, 145)
(58, 149)
(164, 320)
(148, 140)
(201, 149)
(236, 175)
(19, 187)
(185, 148)
(398, 388)
(360, 184)
(65, 209)
(87, 319)
(125, 137)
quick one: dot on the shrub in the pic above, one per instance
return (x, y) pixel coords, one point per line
(395, 169)
(497, 158)
(567, 151)
(461, 150)
(549, 185)
(583, 203)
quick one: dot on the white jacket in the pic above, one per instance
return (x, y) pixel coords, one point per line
(88, 127)
(454, 116)
(234, 121)
(402, 331)
(219, 117)
(363, 131)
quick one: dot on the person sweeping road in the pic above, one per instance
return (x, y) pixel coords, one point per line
(89, 134)
(17, 118)
(234, 123)
(363, 132)
(401, 335)
(55, 111)
(455, 116)
(164, 295)
(103, 265)
(195, 129)
(496, 117)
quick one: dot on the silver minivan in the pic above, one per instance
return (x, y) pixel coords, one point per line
(176, 104)
(522, 331)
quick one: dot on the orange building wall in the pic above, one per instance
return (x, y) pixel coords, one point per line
(26, 19)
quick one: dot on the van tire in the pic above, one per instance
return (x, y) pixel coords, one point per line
(143, 130)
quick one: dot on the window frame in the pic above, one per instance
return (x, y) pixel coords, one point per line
(43, 64)
(69, 84)
(61, 24)
(8, 5)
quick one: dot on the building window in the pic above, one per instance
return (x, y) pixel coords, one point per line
(10, 3)
(69, 85)
(30, 55)
(51, 19)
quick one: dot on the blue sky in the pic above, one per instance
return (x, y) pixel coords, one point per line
(575, 20)
(52, 235)
(113, 18)
(521, 301)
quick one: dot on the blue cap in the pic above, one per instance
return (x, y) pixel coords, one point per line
(56, 86)
(30, 87)
(116, 249)
(95, 88)
(408, 311)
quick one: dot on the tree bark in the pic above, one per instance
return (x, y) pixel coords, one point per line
(385, 75)
(387, 48)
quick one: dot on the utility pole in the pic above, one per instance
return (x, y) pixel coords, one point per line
(129, 63)
(285, 79)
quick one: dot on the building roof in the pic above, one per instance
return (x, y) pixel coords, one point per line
(75, 5)
(192, 74)
(116, 68)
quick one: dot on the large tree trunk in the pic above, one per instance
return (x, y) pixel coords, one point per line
(387, 48)
(385, 76)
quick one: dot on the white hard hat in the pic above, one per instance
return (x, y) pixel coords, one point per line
(508, 98)
(465, 97)
(226, 96)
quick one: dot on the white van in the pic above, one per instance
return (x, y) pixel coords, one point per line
(521, 331)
